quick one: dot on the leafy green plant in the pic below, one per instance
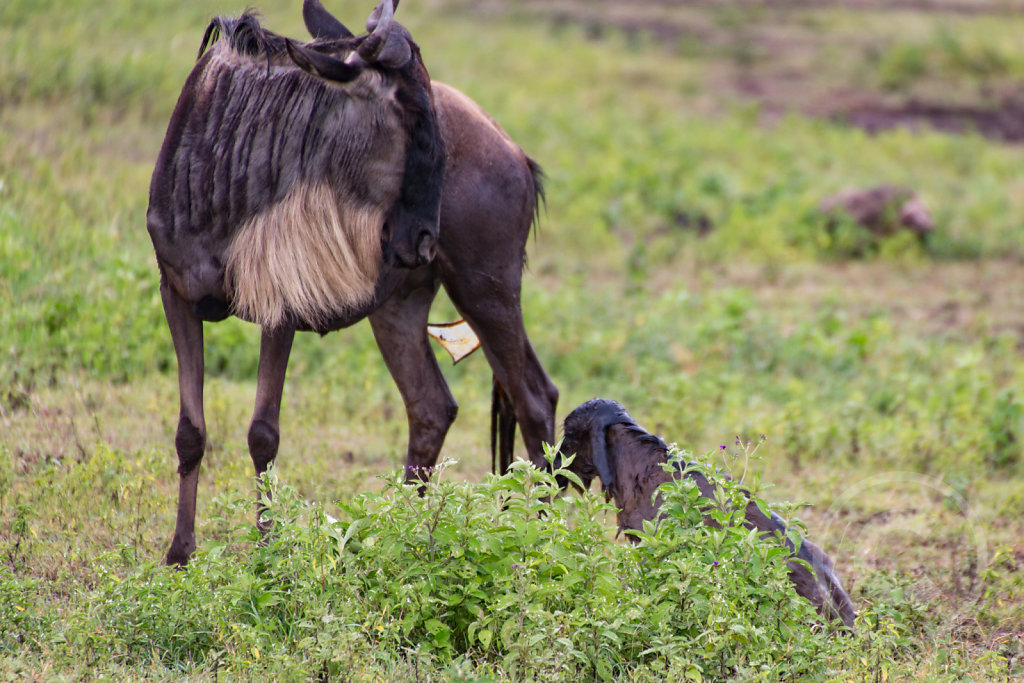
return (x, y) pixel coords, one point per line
(904, 357)
(1005, 423)
(508, 574)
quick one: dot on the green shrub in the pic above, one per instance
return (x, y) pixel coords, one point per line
(506, 577)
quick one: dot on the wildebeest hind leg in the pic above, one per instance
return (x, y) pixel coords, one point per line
(190, 440)
(495, 316)
(400, 328)
(264, 430)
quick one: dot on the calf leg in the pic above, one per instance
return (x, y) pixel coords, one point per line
(190, 440)
(264, 430)
(400, 328)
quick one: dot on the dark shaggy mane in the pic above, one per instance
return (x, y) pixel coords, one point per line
(244, 35)
(646, 438)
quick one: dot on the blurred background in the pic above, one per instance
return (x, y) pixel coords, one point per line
(802, 219)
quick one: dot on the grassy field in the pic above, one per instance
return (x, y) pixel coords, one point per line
(888, 382)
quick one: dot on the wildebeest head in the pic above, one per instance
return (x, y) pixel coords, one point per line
(411, 230)
(915, 216)
(585, 435)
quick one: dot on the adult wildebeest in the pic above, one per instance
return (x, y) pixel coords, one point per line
(307, 186)
(610, 445)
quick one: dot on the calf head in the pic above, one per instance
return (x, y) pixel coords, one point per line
(915, 216)
(586, 435)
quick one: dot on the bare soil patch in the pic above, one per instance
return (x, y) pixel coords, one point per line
(1005, 123)
(808, 56)
(969, 301)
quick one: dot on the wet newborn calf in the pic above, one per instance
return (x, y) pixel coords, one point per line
(610, 445)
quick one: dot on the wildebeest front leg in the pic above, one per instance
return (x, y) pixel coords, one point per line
(264, 430)
(400, 327)
(190, 440)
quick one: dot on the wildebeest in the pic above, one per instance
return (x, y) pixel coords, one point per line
(305, 186)
(882, 211)
(608, 444)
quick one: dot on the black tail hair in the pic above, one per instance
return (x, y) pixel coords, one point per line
(503, 429)
(540, 198)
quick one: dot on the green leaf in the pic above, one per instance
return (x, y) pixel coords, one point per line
(484, 638)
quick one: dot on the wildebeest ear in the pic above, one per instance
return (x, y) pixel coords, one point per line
(396, 52)
(385, 46)
(320, 23)
(322, 65)
(599, 455)
(393, 51)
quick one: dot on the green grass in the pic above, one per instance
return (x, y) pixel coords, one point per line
(889, 388)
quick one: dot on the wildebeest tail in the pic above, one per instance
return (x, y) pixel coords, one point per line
(503, 429)
(540, 197)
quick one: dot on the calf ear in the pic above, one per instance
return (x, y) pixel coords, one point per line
(599, 455)
(324, 66)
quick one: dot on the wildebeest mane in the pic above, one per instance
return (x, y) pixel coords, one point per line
(252, 152)
(244, 34)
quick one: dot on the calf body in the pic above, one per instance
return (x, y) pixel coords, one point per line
(608, 444)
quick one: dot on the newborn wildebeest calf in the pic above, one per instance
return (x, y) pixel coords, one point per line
(610, 445)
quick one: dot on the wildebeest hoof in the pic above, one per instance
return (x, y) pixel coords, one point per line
(179, 553)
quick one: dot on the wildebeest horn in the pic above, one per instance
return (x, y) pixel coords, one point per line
(323, 65)
(320, 23)
(371, 21)
(381, 19)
